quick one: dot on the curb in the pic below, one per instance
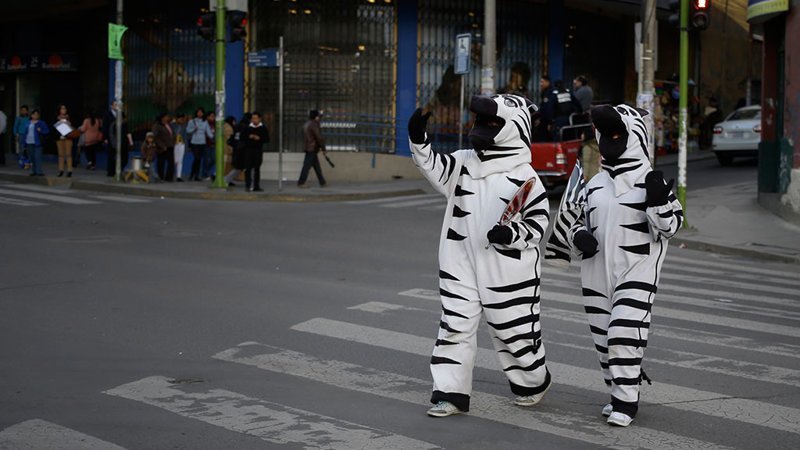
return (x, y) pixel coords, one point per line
(692, 244)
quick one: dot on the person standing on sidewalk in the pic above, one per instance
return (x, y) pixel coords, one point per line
(165, 147)
(198, 132)
(255, 136)
(3, 126)
(34, 140)
(179, 127)
(583, 92)
(20, 128)
(64, 143)
(238, 162)
(209, 151)
(314, 143)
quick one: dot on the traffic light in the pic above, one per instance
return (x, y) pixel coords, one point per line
(699, 17)
(205, 26)
(238, 23)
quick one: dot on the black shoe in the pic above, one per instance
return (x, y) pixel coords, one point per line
(230, 184)
(69, 174)
(258, 190)
(60, 174)
(179, 180)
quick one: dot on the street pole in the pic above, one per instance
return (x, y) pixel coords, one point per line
(118, 98)
(489, 47)
(647, 72)
(683, 103)
(219, 134)
(461, 114)
(280, 113)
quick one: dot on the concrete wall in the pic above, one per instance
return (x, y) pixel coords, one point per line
(350, 167)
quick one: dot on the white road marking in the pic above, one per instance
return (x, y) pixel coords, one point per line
(37, 434)
(564, 423)
(429, 201)
(121, 199)
(271, 422)
(392, 199)
(50, 197)
(659, 311)
(33, 187)
(709, 403)
(381, 307)
(18, 202)
(791, 275)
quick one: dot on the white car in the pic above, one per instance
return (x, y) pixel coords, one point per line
(738, 135)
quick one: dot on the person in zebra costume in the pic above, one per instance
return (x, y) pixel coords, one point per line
(484, 266)
(619, 222)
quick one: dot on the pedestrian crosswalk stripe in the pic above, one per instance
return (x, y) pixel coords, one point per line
(719, 301)
(414, 203)
(773, 271)
(37, 434)
(31, 187)
(271, 422)
(546, 417)
(18, 202)
(687, 399)
(663, 312)
(121, 199)
(50, 197)
(439, 207)
(683, 269)
(381, 307)
(392, 199)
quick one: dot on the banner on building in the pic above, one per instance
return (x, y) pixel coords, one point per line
(46, 62)
(761, 10)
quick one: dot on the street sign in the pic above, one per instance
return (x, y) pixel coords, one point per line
(463, 45)
(267, 57)
(115, 33)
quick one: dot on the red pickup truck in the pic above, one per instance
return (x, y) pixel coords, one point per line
(554, 161)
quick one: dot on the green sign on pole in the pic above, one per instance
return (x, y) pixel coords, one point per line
(115, 33)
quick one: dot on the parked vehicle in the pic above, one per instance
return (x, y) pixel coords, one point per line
(554, 161)
(738, 135)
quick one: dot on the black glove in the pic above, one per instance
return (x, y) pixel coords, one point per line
(416, 126)
(500, 234)
(586, 243)
(657, 189)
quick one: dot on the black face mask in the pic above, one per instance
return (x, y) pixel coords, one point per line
(484, 131)
(611, 149)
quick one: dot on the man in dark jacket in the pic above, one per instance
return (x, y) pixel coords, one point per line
(541, 128)
(165, 147)
(313, 144)
(562, 105)
(254, 137)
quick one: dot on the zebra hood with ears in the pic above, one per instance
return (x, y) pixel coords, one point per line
(622, 137)
(501, 135)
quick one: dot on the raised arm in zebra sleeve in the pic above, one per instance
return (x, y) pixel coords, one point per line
(664, 211)
(441, 170)
(528, 227)
(581, 239)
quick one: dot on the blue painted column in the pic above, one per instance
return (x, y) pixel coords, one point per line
(556, 21)
(406, 72)
(234, 79)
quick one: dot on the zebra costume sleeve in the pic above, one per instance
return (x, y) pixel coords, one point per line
(440, 169)
(528, 227)
(665, 220)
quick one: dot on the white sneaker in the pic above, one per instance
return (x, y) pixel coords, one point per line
(619, 419)
(443, 409)
(530, 400)
(607, 410)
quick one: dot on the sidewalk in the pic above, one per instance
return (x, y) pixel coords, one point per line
(725, 220)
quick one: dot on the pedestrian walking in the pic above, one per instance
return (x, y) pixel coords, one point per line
(92, 132)
(198, 131)
(20, 129)
(255, 136)
(486, 267)
(3, 126)
(238, 157)
(313, 144)
(165, 147)
(621, 236)
(64, 142)
(34, 141)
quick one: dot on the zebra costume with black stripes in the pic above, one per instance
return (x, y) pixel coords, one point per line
(620, 281)
(500, 280)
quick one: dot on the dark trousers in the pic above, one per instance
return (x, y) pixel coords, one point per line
(91, 154)
(252, 177)
(310, 161)
(111, 167)
(197, 157)
(166, 164)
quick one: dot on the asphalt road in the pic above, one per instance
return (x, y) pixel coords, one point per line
(194, 324)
